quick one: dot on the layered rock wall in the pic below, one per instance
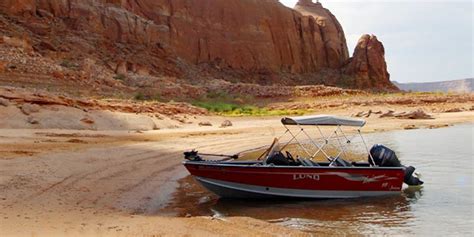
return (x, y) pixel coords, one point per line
(251, 36)
(240, 34)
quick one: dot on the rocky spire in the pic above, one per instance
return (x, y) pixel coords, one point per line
(368, 66)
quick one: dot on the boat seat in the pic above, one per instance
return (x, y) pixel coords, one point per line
(307, 162)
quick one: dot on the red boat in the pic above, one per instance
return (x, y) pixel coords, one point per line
(277, 175)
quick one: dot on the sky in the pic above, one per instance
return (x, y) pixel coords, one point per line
(424, 40)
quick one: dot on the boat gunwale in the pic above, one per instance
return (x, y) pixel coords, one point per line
(228, 164)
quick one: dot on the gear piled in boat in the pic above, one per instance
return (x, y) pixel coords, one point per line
(279, 173)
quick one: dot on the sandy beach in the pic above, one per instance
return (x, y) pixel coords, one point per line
(114, 183)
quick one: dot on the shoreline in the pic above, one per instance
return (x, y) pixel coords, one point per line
(109, 183)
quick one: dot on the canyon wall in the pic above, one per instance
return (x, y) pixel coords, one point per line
(171, 36)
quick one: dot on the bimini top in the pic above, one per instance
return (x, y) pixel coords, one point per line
(323, 120)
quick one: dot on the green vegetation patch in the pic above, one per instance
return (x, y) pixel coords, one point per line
(139, 96)
(231, 109)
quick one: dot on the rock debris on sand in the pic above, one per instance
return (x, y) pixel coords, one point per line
(417, 114)
(226, 123)
(205, 124)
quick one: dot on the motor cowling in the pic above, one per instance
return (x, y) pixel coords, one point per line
(383, 156)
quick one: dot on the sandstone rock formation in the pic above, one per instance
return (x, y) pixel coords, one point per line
(30, 103)
(368, 66)
(332, 34)
(188, 39)
(269, 37)
(226, 123)
(18, 7)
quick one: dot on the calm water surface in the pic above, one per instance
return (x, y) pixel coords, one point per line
(443, 206)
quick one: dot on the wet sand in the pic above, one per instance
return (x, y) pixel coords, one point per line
(66, 182)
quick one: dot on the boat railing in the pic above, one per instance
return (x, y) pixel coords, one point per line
(338, 135)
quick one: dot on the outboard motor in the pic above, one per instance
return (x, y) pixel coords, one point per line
(385, 157)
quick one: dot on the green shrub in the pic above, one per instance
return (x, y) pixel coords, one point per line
(139, 96)
(230, 109)
(217, 107)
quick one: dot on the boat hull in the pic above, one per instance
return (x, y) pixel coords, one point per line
(240, 181)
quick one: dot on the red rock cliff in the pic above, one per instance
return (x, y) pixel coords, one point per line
(331, 31)
(252, 36)
(368, 66)
(242, 34)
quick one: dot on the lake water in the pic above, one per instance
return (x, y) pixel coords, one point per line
(442, 206)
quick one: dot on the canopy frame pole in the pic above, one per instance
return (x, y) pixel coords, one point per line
(315, 144)
(283, 134)
(321, 148)
(367, 148)
(325, 142)
(297, 141)
(349, 139)
(268, 149)
(292, 137)
(342, 150)
(338, 134)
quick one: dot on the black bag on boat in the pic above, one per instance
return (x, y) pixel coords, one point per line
(279, 159)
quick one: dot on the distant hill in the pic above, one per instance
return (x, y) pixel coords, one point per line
(462, 86)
